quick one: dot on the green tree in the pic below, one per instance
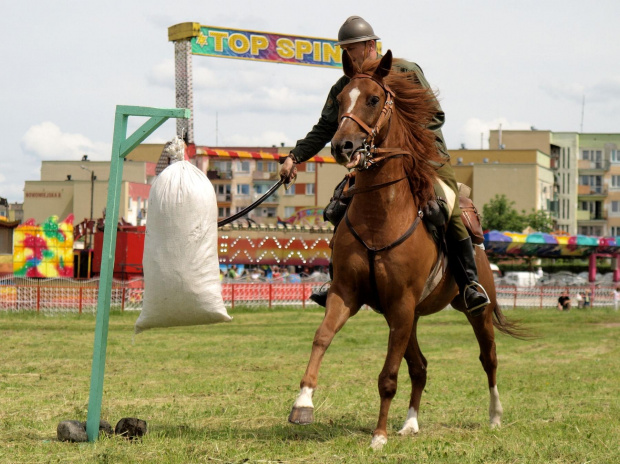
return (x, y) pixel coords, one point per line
(499, 214)
(539, 220)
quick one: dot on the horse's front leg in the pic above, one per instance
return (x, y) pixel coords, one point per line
(400, 321)
(417, 372)
(338, 311)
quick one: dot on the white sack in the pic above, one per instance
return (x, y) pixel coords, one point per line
(181, 269)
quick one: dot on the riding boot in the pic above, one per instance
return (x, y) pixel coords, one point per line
(320, 296)
(463, 265)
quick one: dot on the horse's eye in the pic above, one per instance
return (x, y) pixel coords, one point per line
(372, 101)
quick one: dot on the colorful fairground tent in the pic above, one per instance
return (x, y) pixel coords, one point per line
(544, 245)
(44, 250)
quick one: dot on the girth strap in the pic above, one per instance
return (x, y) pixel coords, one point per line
(372, 251)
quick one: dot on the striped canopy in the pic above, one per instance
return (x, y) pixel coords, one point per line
(217, 153)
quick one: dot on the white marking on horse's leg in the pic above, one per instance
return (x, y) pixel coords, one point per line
(378, 441)
(495, 408)
(411, 424)
(304, 399)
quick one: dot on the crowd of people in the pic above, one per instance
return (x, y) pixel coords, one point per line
(584, 299)
(273, 273)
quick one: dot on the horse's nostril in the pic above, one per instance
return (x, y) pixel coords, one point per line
(348, 145)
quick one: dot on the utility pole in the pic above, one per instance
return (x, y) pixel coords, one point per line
(92, 199)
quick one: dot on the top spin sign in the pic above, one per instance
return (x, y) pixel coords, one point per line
(266, 46)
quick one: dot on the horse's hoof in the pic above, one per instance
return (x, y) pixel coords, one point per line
(378, 441)
(495, 423)
(409, 429)
(301, 416)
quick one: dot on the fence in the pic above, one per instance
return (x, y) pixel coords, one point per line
(60, 295)
(80, 296)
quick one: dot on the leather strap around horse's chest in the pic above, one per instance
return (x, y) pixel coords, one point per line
(355, 190)
(372, 251)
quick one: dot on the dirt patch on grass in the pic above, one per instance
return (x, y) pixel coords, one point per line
(609, 325)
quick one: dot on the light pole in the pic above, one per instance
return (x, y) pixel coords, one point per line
(92, 198)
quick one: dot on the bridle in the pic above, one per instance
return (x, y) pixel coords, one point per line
(369, 151)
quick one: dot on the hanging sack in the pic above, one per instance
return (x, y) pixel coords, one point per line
(181, 269)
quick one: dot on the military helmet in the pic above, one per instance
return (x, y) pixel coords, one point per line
(355, 29)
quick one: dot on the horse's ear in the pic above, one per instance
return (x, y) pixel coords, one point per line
(385, 66)
(347, 64)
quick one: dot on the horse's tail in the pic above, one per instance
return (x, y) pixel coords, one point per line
(513, 328)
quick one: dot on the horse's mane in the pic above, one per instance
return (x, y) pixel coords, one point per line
(414, 109)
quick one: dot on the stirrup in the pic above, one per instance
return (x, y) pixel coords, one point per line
(478, 309)
(320, 296)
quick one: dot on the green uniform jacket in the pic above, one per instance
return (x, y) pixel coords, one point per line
(324, 130)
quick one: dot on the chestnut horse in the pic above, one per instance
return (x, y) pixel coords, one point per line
(382, 254)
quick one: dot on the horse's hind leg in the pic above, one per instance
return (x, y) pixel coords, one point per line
(416, 363)
(483, 328)
(336, 314)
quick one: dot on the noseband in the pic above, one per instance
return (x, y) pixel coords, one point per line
(369, 150)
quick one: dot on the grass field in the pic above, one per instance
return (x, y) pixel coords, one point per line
(222, 393)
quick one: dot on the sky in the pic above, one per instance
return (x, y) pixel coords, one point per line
(67, 64)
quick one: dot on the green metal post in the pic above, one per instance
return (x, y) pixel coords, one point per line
(121, 146)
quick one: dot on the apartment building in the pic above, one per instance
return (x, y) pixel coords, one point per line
(524, 176)
(76, 187)
(81, 188)
(586, 168)
(242, 175)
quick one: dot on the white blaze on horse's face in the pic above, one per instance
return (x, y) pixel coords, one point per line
(354, 93)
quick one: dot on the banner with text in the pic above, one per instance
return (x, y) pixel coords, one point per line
(266, 46)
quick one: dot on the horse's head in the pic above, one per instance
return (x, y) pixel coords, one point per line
(365, 108)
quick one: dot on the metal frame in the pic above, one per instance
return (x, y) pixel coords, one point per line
(121, 147)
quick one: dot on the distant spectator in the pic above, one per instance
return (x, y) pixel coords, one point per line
(579, 299)
(232, 272)
(564, 302)
(616, 298)
(586, 298)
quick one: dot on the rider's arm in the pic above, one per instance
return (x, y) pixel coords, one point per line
(324, 129)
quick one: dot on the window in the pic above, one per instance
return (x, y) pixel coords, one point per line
(243, 189)
(243, 166)
(289, 211)
(310, 167)
(290, 191)
(615, 182)
(585, 154)
(615, 156)
(309, 189)
(615, 207)
(259, 166)
(261, 189)
(223, 212)
(563, 163)
(615, 231)
(272, 166)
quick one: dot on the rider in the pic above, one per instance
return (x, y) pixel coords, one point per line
(358, 39)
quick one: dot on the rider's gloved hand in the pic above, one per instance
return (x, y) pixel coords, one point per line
(288, 171)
